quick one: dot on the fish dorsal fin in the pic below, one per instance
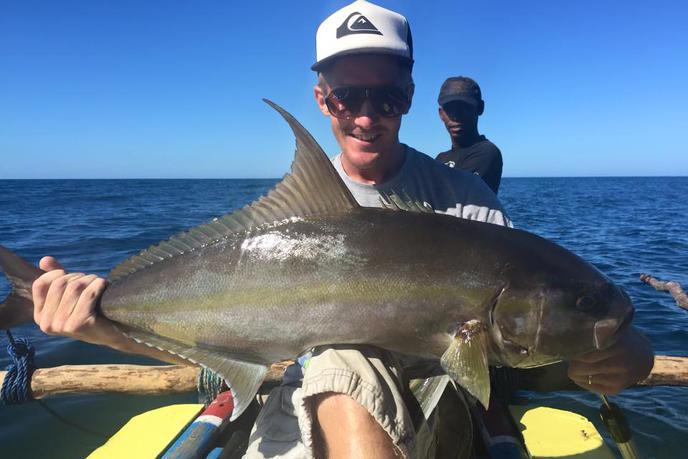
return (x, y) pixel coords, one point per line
(402, 201)
(312, 188)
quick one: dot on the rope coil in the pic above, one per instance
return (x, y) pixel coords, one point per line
(209, 385)
(16, 388)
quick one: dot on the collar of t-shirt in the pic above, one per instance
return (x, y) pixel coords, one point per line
(368, 195)
(461, 151)
(389, 183)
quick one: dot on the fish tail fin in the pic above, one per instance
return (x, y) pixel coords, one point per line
(17, 308)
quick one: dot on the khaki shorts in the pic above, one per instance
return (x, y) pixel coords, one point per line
(373, 378)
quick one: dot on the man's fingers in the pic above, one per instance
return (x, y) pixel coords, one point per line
(40, 286)
(603, 377)
(611, 366)
(39, 291)
(611, 370)
(72, 295)
(85, 309)
(599, 385)
(49, 264)
(53, 301)
(595, 356)
(609, 380)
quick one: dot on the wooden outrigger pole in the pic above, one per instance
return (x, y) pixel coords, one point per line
(674, 288)
(177, 379)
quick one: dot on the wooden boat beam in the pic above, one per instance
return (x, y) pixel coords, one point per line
(177, 379)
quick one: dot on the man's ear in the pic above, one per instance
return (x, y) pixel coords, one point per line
(443, 114)
(320, 100)
(481, 107)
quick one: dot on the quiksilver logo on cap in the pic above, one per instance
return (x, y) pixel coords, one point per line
(356, 23)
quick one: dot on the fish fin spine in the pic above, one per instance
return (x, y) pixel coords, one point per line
(401, 201)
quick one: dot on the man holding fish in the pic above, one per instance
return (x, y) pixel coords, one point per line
(351, 401)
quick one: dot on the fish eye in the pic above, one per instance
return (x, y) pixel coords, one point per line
(585, 303)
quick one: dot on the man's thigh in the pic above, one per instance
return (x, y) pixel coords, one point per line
(372, 377)
(368, 375)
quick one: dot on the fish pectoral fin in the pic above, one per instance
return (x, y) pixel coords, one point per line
(466, 360)
(243, 378)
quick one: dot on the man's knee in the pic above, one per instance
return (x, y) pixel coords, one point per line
(339, 407)
(344, 428)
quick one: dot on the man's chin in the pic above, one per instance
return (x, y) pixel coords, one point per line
(362, 160)
(363, 156)
(364, 148)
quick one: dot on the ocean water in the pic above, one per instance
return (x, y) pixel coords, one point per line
(625, 226)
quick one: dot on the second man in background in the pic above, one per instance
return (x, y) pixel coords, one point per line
(461, 104)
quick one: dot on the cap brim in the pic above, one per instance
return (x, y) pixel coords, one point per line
(318, 66)
(458, 97)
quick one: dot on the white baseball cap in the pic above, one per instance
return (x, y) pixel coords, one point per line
(363, 28)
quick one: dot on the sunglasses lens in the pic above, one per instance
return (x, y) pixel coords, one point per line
(458, 110)
(389, 102)
(346, 102)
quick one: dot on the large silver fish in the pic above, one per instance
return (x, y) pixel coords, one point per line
(305, 265)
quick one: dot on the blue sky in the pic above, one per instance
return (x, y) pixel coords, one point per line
(95, 89)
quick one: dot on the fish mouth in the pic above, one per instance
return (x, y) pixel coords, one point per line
(607, 331)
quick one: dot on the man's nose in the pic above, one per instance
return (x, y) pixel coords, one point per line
(367, 116)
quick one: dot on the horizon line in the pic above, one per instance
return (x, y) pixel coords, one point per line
(280, 178)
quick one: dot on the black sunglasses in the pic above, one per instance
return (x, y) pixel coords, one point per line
(459, 110)
(345, 102)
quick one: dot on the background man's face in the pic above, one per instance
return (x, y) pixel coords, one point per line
(460, 119)
(367, 139)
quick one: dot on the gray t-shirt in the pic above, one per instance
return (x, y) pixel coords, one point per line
(448, 191)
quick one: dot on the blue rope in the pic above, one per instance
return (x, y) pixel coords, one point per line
(16, 388)
(209, 385)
